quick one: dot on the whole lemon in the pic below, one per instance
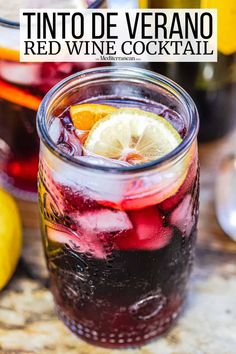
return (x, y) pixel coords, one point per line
(10, 237)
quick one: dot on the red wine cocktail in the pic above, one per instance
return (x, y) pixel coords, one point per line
(118, 196)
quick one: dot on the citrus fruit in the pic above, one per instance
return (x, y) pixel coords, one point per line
(84, 116)
(9, 54)
(137, 137)
(10, 237)
(132, 135)
(18, 96)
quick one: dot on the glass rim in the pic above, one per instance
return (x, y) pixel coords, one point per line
(15, 24)
(130, 72)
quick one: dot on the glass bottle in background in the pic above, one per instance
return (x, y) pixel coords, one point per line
(212, 85)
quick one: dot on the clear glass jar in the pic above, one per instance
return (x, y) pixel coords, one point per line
(119, 242)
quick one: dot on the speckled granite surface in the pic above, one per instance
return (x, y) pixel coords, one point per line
(207, 325)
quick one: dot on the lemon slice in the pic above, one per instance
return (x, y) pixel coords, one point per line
(85, 115)
(132, 135)
(10, 237)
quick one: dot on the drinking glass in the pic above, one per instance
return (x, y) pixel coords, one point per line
(119, 241)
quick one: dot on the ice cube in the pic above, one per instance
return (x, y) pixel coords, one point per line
(182, 217)
(61, 234)
(55, 130)
(66, 140)
(175, 119)
(27, 74)
(106, 189)
(102, 161)
(86, 243)
(105, 220)
(148, 223)
(149, 232)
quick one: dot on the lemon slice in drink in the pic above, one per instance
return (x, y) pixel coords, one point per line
(138, 137)
(132, 135)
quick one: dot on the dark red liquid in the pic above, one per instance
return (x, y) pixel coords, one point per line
(118, 276)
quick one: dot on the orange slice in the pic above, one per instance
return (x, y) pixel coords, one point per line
(85, 115)
(15, 95)
(9, 54)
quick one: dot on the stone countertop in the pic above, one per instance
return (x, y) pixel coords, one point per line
(207, 326)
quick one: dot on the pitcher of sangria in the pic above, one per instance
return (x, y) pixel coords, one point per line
(22, 86)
